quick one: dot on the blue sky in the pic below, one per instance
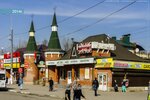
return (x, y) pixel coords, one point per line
(134, 19)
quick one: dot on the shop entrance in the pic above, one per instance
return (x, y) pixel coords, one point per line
(69, 74)
(102, 78)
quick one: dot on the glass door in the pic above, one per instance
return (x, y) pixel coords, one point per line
(102, 78)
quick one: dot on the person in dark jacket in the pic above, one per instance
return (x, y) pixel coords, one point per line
(51, 83)
(95, 85)
(115, 86)
(68, 92)
(78, 93)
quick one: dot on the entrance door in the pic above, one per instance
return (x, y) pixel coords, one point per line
(69, 74)
(102, 78)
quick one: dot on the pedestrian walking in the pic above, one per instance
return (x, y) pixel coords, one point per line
(78, 93)
(74, 87)
(43, 81)
(123, 85)
(51, 83)
(95, 86)
(68, 92)
(20, 82)
(115, 86)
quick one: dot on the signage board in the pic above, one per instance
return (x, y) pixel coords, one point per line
(20, 70)
(104, 63)
(70, 61)
(8, 55)
(15, 65)
(87, 47)
(83, 48)
(132, 65)
(105, 46)
(15, 60)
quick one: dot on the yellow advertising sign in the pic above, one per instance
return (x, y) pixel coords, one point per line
(109, 63)
(15, 65)
(146, 66)
(131, 65)
(104, 63)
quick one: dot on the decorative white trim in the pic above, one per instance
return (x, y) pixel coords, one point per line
(31, 54)
(54, 53)
(31, 33)
(54, 28)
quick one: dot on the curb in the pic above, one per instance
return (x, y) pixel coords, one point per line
(22, 92)
(29, 93)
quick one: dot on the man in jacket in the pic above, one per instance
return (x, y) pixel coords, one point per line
(95, 85)
(51, 83)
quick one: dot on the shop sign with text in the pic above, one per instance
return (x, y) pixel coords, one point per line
(15, 65)
(132, 65)
(105, 46)
(83, 48)
(104, 63)
(70, 62)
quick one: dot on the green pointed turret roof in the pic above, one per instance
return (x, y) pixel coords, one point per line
(32, 27)
(54, 43)
(31, 46)
(54, 23)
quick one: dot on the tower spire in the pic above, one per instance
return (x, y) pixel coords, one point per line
(31, 46)
(54, 43)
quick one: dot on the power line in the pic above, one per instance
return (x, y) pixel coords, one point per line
(102, 18)
(92, 23)
(70, 16)
(82, 11)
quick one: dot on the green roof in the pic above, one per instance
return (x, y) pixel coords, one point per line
(126, 44)
(54, 23)
(32, 27)
(54, 41)
(54, 44)
(31, 46)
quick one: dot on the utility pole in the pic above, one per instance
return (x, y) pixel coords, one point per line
(11, 41)
(11, 11)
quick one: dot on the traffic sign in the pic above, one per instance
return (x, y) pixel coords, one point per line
(20, 70)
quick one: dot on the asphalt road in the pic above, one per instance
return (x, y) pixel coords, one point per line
(5, 95)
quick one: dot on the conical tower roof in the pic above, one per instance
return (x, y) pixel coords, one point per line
(54, 43)
(54, 23)
(31, 46)
(32, 27)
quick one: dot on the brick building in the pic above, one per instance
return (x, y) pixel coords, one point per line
(96, 56)
(30, 67)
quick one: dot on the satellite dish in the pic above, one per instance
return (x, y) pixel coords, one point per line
(137, 50)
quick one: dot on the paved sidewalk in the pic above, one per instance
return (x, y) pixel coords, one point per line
(40, 90)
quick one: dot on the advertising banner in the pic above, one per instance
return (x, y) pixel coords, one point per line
(15, 65)
(131, 65)
(104, 63)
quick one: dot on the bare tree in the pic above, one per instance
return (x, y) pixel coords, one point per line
(67, 44)
(45, 42)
